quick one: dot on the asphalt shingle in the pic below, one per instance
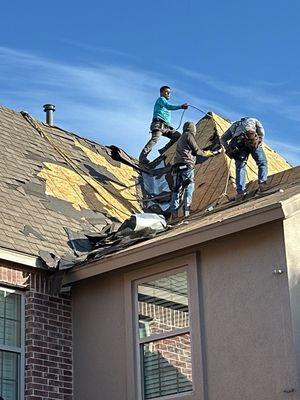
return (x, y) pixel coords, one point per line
(30, 196)
(60, 180)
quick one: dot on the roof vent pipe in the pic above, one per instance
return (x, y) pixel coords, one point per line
(49, 110)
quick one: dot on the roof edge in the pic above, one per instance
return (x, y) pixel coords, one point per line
(291, 206)
(172, 244)
(20, 258)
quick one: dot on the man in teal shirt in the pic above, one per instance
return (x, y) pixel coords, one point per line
(160, 125)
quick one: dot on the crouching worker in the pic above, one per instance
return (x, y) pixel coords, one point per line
(245, 137)
(183, 169)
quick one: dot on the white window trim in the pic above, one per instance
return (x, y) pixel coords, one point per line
(20, 350)
(134, 384)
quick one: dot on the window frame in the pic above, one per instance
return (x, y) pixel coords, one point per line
(14, 349)
(133, 341)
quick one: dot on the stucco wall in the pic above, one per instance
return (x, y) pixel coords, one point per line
(247, 319)
(292, 243)
(246, 323)
(99, 339)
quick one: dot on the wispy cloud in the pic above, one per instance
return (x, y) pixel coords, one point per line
(292, 112)
(279, 107)
(254, 95)
(272, 84)
(258, 96)
(95, 49)
(112, 103)
(109, 103)
(207, 104)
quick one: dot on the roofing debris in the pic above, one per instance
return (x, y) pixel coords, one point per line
(90, 245)
(68, 199)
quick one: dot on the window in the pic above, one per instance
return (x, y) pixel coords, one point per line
(165, 348)
(165, 332)
(11, 344)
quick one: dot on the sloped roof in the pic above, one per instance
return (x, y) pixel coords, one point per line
(54, 180)
(51, 179)
(217, 174)
(201, 227)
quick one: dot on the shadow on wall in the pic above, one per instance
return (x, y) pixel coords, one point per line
(295, 307)
(162, 377)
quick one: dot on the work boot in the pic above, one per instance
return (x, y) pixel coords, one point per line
(173, 217)
(262, 186)
(239, 196)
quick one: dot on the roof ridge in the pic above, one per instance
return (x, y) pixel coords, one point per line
(54, 127)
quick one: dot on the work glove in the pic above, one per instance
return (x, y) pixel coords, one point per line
(208, 153)
(185, 106)
(216, 152)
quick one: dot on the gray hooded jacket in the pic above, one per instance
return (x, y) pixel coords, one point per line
(187, 148)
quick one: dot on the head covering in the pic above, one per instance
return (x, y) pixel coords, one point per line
(190, 126)
(247, 124)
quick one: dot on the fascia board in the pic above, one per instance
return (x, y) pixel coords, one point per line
(291, 206)
(20, 258)
(184, 240)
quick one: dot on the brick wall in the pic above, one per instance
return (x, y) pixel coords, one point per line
(177, 349)
(48, 335)
(12, 276)
(163, 318)
(48, 365)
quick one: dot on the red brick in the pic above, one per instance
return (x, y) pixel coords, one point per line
(48, 342)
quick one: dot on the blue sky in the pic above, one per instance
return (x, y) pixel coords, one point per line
(102, 63)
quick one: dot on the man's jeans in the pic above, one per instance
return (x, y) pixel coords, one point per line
(183, 188)
(261, 161)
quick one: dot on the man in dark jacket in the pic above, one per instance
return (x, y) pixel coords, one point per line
(183, 169)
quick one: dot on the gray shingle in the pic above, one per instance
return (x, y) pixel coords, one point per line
(23, 154)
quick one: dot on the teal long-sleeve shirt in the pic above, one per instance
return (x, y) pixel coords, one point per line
(162, 109)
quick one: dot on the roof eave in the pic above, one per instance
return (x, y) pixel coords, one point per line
(18, 257)
(184, 240)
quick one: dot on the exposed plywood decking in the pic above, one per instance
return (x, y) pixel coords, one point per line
(57, 180)
(202, 227)
(217, 174)
(60, 180)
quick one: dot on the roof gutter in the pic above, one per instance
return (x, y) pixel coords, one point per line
(20, 258)
(143, 252)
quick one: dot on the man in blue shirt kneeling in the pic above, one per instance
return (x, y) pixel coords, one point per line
(160, 125)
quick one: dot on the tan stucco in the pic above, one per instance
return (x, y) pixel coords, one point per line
(247, 321)
(99, 339)
(292, 246)
(246, 338)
